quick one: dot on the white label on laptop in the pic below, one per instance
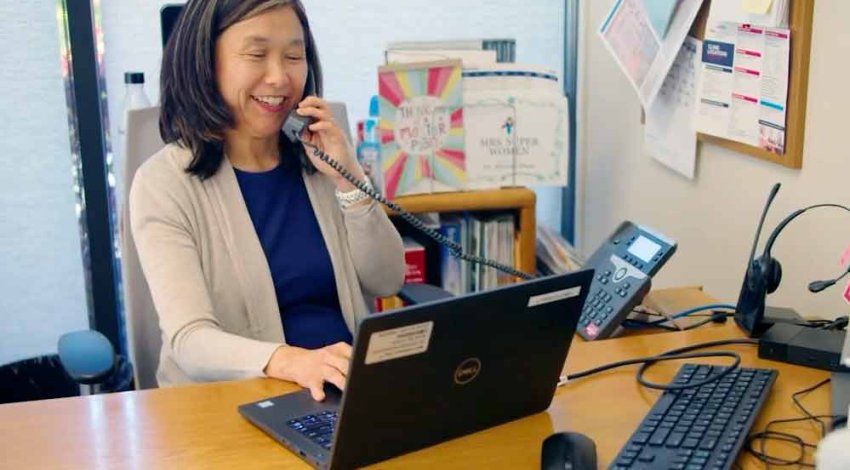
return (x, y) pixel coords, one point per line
(550, 297)
(398, 342)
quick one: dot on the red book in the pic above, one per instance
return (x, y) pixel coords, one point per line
(414, 272)
(414, 261)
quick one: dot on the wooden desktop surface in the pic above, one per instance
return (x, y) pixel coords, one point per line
(198, 426)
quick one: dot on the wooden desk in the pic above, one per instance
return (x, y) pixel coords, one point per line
(198, 426)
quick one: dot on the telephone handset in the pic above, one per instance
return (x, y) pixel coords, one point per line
(294, 126)
(624, 264)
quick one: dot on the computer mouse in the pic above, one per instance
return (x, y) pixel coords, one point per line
(568, 451)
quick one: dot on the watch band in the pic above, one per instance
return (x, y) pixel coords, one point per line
(349, 198)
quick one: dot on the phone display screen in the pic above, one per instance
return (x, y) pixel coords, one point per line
(644, 248)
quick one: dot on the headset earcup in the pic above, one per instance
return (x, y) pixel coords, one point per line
(773, 275)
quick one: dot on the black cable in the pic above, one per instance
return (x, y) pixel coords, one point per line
(635, 323)
(456, 249)
(803, 408)
(765, 435)
(674, 354)
(716, 317)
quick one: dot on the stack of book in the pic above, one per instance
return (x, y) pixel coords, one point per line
(490, 235)
(554, 254)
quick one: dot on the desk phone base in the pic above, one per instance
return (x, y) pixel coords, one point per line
(624, 266)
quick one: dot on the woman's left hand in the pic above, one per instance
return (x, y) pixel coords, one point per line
(327, 136)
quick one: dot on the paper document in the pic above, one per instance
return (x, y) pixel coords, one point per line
(669, 134)
(645, 58)
(470, 58)
(744, 86)
(660, 12)
(767, 13)
(758, 7)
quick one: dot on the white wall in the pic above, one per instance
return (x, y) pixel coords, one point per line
(42, 292)
(714, 217)
(351, 37)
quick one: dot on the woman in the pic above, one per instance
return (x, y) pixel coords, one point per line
(257, 254)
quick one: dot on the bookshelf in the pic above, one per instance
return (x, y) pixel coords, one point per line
(519, 200)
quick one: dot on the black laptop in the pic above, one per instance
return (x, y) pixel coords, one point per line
(432, 372)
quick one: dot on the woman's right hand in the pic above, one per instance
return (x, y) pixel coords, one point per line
(311, 368)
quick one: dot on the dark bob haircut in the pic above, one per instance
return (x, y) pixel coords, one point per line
(193, 113)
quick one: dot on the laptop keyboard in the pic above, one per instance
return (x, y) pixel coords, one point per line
(698, 428)
(318, 427)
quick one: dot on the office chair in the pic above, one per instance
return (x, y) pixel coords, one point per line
(86, 363)
(144, 337)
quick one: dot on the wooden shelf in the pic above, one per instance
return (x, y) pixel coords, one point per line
(521, 200)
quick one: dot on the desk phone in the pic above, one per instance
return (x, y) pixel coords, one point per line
(624, 264)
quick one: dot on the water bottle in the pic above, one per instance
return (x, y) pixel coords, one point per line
(369, 150)
(134, 98)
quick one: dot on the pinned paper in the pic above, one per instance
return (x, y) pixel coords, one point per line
(756, 7)
(847, 293)
(660, 12)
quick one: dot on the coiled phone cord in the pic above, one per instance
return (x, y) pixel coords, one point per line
(456, 249)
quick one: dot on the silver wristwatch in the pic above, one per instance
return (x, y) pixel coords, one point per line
(349, 198)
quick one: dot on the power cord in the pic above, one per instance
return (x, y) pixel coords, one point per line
(715, 317)
(456, 249)
(768, 435)
(691, 311)
(838, 324)
(672, 355)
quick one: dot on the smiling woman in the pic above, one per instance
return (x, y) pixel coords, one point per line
(256, 267)
(193, 111)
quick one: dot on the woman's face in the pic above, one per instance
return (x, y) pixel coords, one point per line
(261, 69)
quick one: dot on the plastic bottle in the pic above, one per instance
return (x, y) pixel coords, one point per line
(134, 98)
(369, 150)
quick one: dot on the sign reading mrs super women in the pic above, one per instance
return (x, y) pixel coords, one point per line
(421, 127)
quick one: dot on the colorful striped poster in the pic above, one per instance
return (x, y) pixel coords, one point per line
(421, 127)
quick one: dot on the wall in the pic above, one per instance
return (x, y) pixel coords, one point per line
(351, 37)
(714, 217)
(42, 292)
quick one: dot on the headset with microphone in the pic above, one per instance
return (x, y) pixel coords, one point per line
(765, 273)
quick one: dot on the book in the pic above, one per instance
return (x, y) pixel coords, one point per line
(450, 266)
(496, 243)
(469, 58)
(505, 48)
(516, 139)
(516, 127)
(414, 261)
(421, 128)
(414, 272)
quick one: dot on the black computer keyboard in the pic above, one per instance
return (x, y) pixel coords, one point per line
(698, 428)
(317, 427)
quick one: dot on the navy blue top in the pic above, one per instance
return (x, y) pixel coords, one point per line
(301, 267)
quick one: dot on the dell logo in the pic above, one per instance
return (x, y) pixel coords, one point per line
(467, 371)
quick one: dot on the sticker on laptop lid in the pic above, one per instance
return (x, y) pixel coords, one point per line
(399, 342)
(265, 404)
(550, 297)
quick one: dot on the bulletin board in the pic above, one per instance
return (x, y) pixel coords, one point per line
(800, 23)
